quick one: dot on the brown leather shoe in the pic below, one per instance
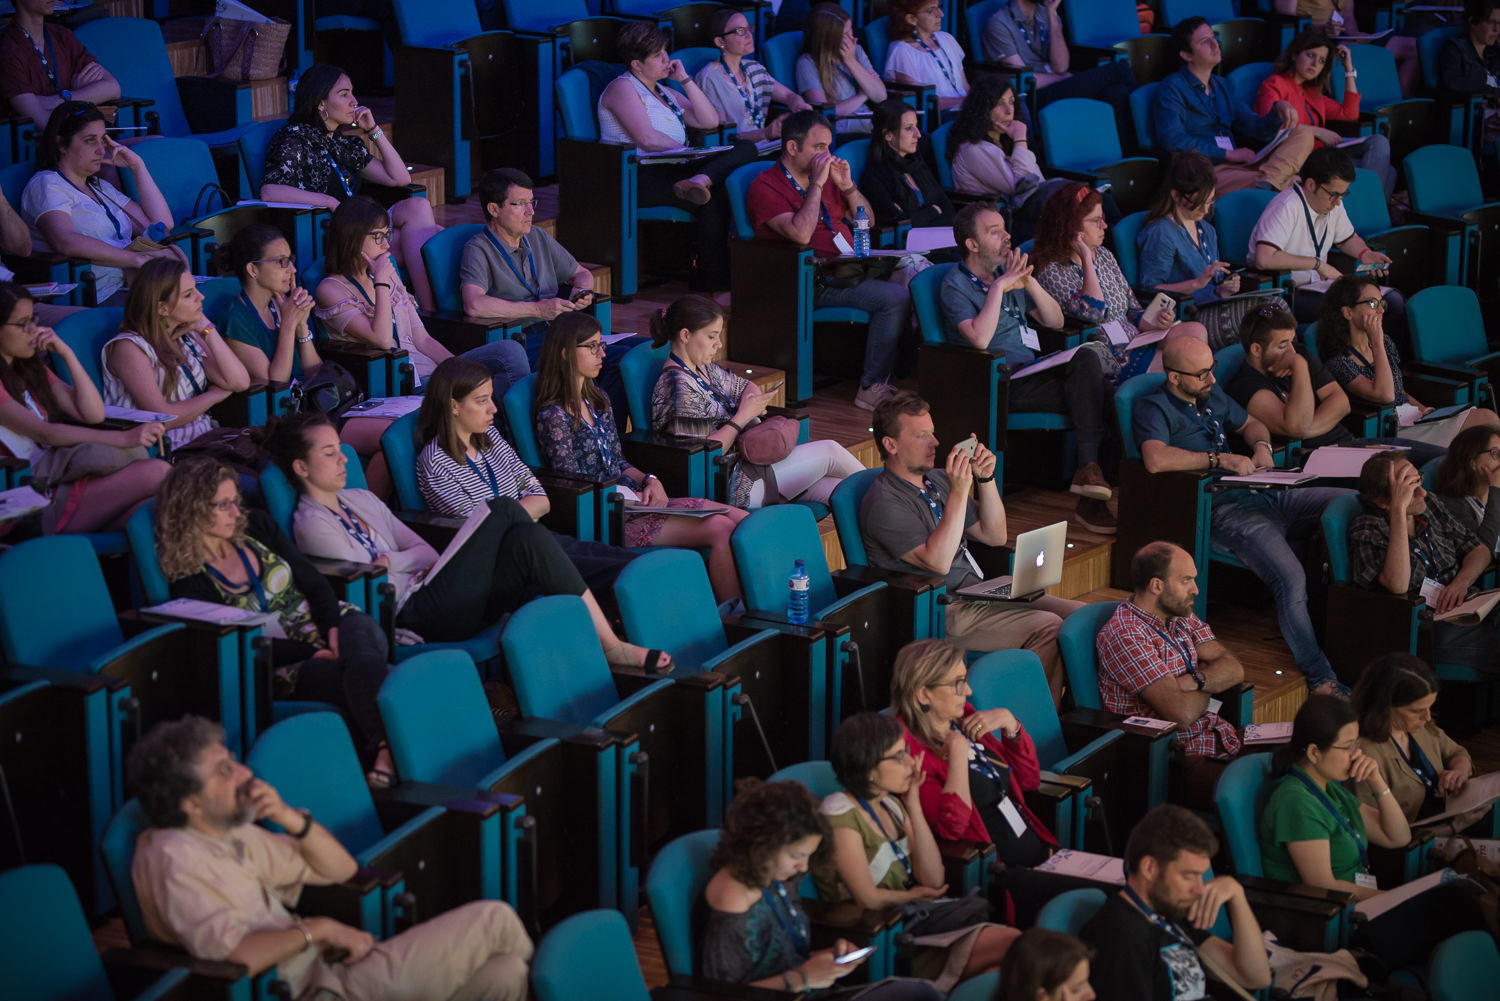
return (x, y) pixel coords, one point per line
(1094, 515)
(1089, 481)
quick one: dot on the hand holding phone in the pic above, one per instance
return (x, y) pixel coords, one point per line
(967, 446)
(856, 956)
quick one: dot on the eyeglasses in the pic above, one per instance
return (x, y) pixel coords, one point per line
(25, 324)
(380, 236)
(529, 203)
(1096, 221)
(741, 32)
(592, 347)
(1494, 453)
(957, 684)
(233, 504)
(1334, 196)
(1200, 374)
(1346, 748)
(901, 755)
(1375, 302)
(285, 262)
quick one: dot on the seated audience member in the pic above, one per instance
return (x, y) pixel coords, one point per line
(1364, 359)
(987, 302)
(1300, 78)
(362, 302)
(1401, 544)
(922, 54)
(1286, 388)
(1469, 64)
(1467, 481)
(43, 65)
(1195, 110)
(756, 934)
(884, 854)
(992, 156)
(1421, 764)
(740, 88)
(516, 272)
(984, 803)
(1151, 939)
(1046, 965)
(809, 197)
(1315, 830)
(74, 211)
(636, 109)
(329, 144)
(1157, 658)
(213, 547)
(834, 69)
(31, 394)
(507, 560)
(577, 436)
(168, 358)
(465, 464)
(1185, 424)
(917, 519)
(698, 398)
(896, 181)
(213, 881)
(1028, 34)
(1333, 18)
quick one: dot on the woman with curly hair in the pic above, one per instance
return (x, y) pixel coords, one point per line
(756, 934)
(212, 548)
(834, 69)
(992, 156)
(1468, 483)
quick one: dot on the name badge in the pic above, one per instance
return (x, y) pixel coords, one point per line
(1365, 880)
(842, 243)
(1489, 79)
(1012, 817)
(1225, 143)
(1430, 590)
(1030, 339)
(973, 563)
(1116, 331)
(1214, 705)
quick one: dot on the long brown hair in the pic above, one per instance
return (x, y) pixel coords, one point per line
(23, 375)
(454, 379)
(1308, 38)
(1191, 176)
(557, 370)
(184, 510)
(1061, 219)
(822, 37)
(1039, 962)
(1456, 475)
(158, 283)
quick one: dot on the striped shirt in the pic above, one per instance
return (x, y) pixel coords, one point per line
(730, 101)
(452, 487)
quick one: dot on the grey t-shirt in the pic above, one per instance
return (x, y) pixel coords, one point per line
(1006, 34)
(549, 267)
(895, 519)
(959, 299)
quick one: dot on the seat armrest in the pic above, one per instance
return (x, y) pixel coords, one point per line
(476, 802)
(525, 730)
(682, 988)
(152, 956)
(848, 918)
(1238, 704)
(857, 576)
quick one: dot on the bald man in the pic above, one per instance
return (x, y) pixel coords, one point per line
(1185, 425)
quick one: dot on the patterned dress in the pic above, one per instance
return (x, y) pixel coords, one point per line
(681, 406)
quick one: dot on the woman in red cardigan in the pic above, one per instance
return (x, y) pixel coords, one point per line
(983, 802)
(1300, 78)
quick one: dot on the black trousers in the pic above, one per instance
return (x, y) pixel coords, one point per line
(654, 187)
(1078, 389)
(349, 682)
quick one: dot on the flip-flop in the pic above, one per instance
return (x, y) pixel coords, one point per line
(653, 657)
(379, 778)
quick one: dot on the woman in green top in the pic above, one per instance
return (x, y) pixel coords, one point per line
(884, 853)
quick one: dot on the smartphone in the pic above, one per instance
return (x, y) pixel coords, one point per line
(1161, 305)
(855, 956)
(773, 386)
(968, 445)
(1366, 269)
(598, 296)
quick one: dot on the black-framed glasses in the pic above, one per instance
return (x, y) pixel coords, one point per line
(25, 324)
(741, 31)
(1494, 453)
(1374, 302)
(280, 262)
(1202, 373)
(1334, 196)
(592, 347)
(380, 236)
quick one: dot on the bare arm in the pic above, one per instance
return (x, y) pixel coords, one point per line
(620, 98)
(129, 363)
(1269, 258)
(296, 196)
(57, 227)
(1044, 309)
(1244, 958)
(537, 505)
(221, 365)
(1220, 669)
(1311, 861)
(1170, 701)
(15, 236)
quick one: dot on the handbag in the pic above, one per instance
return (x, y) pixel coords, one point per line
(54, 467)
(937, 917)
(242, 50)
(768, 441)
(331, 389)
(238, 448)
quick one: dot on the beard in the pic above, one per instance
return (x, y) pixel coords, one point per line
(1163, 905)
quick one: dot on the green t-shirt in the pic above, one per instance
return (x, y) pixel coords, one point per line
(242, 323)
(1294, 813)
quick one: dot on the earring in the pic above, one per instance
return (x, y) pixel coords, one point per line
(924, 707)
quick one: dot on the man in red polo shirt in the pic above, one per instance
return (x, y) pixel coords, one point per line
(42, 65)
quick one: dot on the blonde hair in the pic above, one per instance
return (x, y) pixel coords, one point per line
(921, 665)
(184, 510)
(157, 284)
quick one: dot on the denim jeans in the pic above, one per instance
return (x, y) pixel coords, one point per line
(1374, 154)
(889, 306)
(1258, 527)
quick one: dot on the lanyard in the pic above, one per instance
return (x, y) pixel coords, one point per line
(98, 197)
(1307, 214)
(901, 855)
(520, 272)
(275, 313)
(1183, 648)
(752, 106)
(1202, 243)
(708, 387)
(822, 208)
(982, 764)
(1322, 797)
(932, 502)
(395, 327)
(1424, 548)
(911, 182)
(1042, 34)
(339, 172)
(488, 472)
(793, 920)
(187, 369)
(1206, 420)
(941, 58)
(656, 90)
(1006, 307)
(356, 531)
(1421, 766)
(601, 440)
(31, 405)
(45, 54)
(1167, 926)
(259, 588)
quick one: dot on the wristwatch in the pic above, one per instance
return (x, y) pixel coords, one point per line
(66, 95)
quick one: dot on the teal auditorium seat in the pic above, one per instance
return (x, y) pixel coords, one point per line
(1081, 141)
(612, 971)
(1443, 184)
(1068, 912)
(1448, 338)
(45, 266)
(1420, 255)
(1465, 967)
(924, 594)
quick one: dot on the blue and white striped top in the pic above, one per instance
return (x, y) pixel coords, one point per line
(455, 488)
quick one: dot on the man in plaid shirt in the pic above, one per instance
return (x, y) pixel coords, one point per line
(1156, 658)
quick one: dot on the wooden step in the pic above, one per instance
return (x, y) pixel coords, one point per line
(268, 99)
(186, 56)
(431, 178)
(124, 8)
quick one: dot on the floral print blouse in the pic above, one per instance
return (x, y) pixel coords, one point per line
(305, 156)
(1063, 280)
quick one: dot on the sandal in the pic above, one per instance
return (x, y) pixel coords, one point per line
(653, 657)
(378, 778)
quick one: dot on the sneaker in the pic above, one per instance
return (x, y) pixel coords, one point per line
(1089, 481)
(1332, 686)
(1093, 514)
(869, 397)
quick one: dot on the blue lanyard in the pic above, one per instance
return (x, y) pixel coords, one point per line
(671, 104)
(822, 208)
(941, 58)
(520, 272)
(339, 172)
(911, 182)
(1006, 307)
(275, 313)
(932, 502)
(259, 588)
(1205, 419)
(1202, 244)
(1418, 763)
(356, 532)
(601, 441)
(97, 196)
(1307, 214)
(982, 763)
(901, 855)
(46, 55)
(395, 327)
(1043, 33)
(187, 369)
(1167, 926)
(1183, 648)
(1322, 797)
(793, 920)
(752, 106)
(708, 387)
(1419, 548)
(31, 405)
(488, 472)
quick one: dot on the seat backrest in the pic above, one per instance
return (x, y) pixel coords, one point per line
(939, 140)
(639, 370)
(845, 503)
(576, 102)
(253, 143)
(674, 888)
(1365, 203)
(766, 546)
(1075, 640)
(1447, 324)
(180, 166)
(1016, 680)
(984, 987)
(694, 59)
(1379, 84)
(1442, 179)
(1079, 133)
(1101, 24)
(55, 610)
(857, 153)
(1228, 360)
(335, 791)
(1465, 967)
(86, 332)
(117, 848)
(1069, 911)
(924, 302)
(589, 955)
(1337, 517)
(737, 186)
(281, 497)
(976, 16)
(438, 720)
(555, 661)
(518, 402)
(1235, 216)
(140, 534)
(45, 945)
(525, 15)
(667, 603)
(816, 776)
(1240, 796)
(442, 254)
(399, 445)
(1429, 43)
(1245, 81)
(1127, 251)
(13, 178)
(436, 23)
(779, 53)
(134, 52)
(878, 42)
(1173, 11)
(217, 294)
(1125, 397)
(1140, 113)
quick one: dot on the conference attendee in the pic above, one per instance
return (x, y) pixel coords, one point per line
(989, 302)
(884, 853)
(637, 110)
(1467, 481)
(809, 198)
(330, 144)
(75, 212)
(1314, 829)
(897, 182)
(992, 155)
(1394, 700)
(45, 421)
(755, 933)
(698, 398)
(1046, 965)
(1333, 18)
(923, 54)
(1185, 424)
(1402, 545)
(1469, 63)
(740, 88)
(1028, 34)
(1151, 939)
(167, 357)
(917, 519)
(833, 68)
(1194, 110)
(214, 882)
(43, 64)
(1300, 78)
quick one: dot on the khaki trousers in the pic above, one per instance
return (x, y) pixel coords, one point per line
(1011, 625)
(1278, 169)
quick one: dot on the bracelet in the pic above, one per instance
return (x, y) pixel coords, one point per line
(786, 978)
(1213, 459)
(307, 939)
(376, 135)
(803, 974)
(1384, 792)
(384, 285)
(306, 826)
(1263, 442)
(985, 479)
(305, 340)
(1350, 74)
(737, 428)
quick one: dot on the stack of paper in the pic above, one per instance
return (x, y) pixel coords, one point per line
(209, 611)
(1086, 865)
(1268, 733)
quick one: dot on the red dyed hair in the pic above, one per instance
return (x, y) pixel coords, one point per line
(1061, 219)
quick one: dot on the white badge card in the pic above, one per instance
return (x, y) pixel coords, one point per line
(1430, 590)
(1490, 81)
(841, 242)
(973, 563)
(1116, 331)
(1030, 339)
(1366, 880)
(1214, 705)
(1225, 143)
(1012, 817)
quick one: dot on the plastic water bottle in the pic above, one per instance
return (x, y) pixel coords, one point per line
(798, 588)
(861, 233)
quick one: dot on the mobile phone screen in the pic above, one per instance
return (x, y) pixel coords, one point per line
(855, 956)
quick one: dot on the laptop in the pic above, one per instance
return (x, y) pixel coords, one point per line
(1038, 566)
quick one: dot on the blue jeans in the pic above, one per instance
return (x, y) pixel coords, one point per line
(889, 306)
(1374, 154)
(1257, 526)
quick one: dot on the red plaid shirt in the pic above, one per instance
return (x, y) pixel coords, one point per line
(1134, 652)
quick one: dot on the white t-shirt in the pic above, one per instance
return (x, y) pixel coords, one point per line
(941, 66)
(1284, 225)
(49, 191)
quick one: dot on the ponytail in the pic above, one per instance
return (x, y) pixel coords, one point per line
(691, 312)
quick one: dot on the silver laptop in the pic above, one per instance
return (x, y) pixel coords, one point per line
(1038, 566)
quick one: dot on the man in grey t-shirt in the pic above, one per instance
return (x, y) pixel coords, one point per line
(1029, 34)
